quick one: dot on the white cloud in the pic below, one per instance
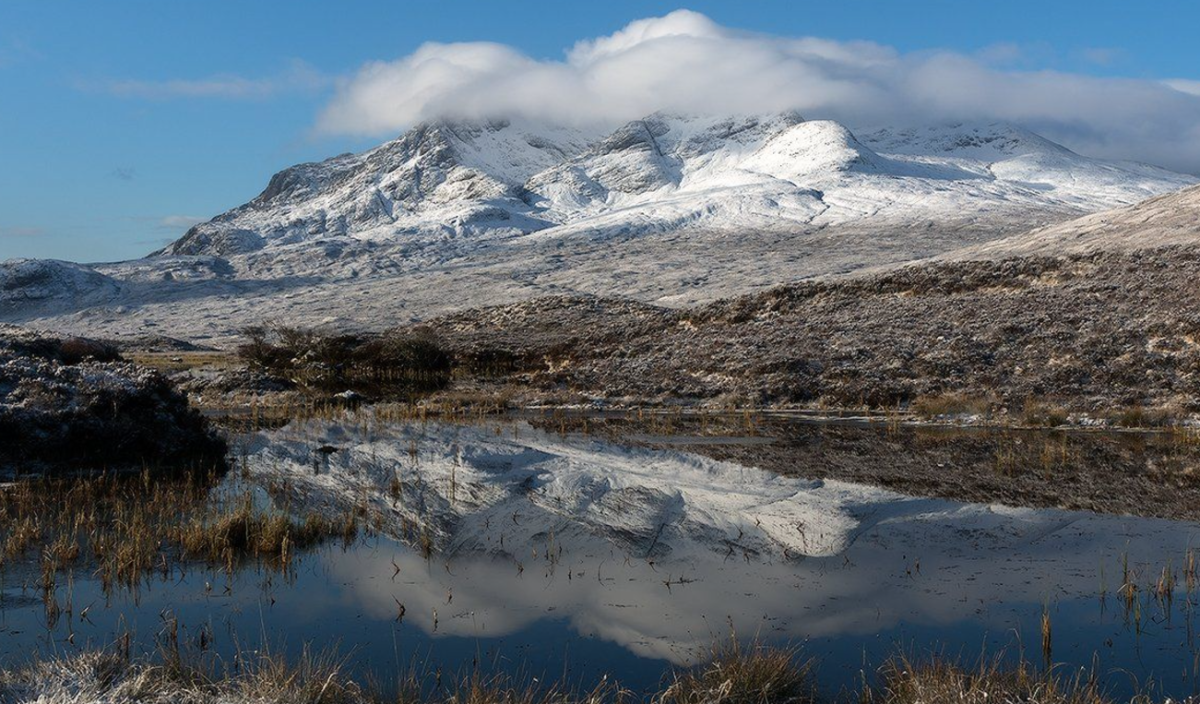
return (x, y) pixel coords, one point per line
(1102, 56)
(685, 62)
(179, 222)
(1184, 86)
(298, 78)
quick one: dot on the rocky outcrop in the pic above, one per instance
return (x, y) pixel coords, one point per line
(30, 283)
(74, 404)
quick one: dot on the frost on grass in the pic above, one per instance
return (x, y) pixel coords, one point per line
(109, 678)
(75, 404)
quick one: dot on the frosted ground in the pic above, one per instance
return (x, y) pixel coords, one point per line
(539, 547)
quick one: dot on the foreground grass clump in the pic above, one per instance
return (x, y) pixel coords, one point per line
(952, 403)
(129, 528)
(751, 674)
(739, 674)
(259, 678)
(98, 677)
(939, 681)
(244, 530)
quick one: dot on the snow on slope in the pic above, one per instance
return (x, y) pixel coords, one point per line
(34, 283)
(440, 177)
(669, 209)
(1017, 156)
(1166, 220)
(668, 172)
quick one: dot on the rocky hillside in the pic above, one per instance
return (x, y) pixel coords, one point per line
(447, 180)
(76, 405)
(440, 177)
(1170, 219)
(1087, 332)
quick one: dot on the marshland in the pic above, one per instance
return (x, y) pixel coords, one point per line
(386, 519)
(348, 550)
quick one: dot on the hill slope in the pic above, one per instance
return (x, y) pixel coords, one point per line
(1171, 219)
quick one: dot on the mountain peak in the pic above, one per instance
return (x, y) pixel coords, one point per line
(468, 181)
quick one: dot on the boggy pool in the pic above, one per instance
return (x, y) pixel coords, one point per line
(503, 547)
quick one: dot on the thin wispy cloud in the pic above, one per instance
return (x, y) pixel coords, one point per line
(298, 78)
(179, 222)
(10, 232)
(1102, 56)
(685, 62)
(157, 242)
(15, 50)
(167, 223)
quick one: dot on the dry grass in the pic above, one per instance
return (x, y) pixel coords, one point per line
(169, 362)
(259, 678)
(941, 681)
(952, 404)
(130, 528)
(478, 689)
(1043, 414)
(1148, 417)
(243, 530)
(110, 677)
(752, 674)
(737, 674)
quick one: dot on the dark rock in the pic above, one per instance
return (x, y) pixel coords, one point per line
(74, 405)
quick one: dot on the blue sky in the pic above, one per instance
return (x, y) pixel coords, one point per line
(120, 122)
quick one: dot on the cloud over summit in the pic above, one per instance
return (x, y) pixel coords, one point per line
(685, 62)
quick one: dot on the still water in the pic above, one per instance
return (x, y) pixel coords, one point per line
(508, 548)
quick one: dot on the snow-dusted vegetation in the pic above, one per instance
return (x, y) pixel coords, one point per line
(74, 404)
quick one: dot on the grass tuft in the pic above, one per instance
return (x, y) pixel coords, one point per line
(737, 674)
(942, 681)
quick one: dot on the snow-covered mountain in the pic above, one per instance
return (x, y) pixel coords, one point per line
(438, 178)
(446, 180)
(669, 209)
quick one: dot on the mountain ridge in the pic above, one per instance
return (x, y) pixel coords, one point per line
(482, 180)
(670, 210)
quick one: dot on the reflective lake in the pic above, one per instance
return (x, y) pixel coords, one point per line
(507, 547)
